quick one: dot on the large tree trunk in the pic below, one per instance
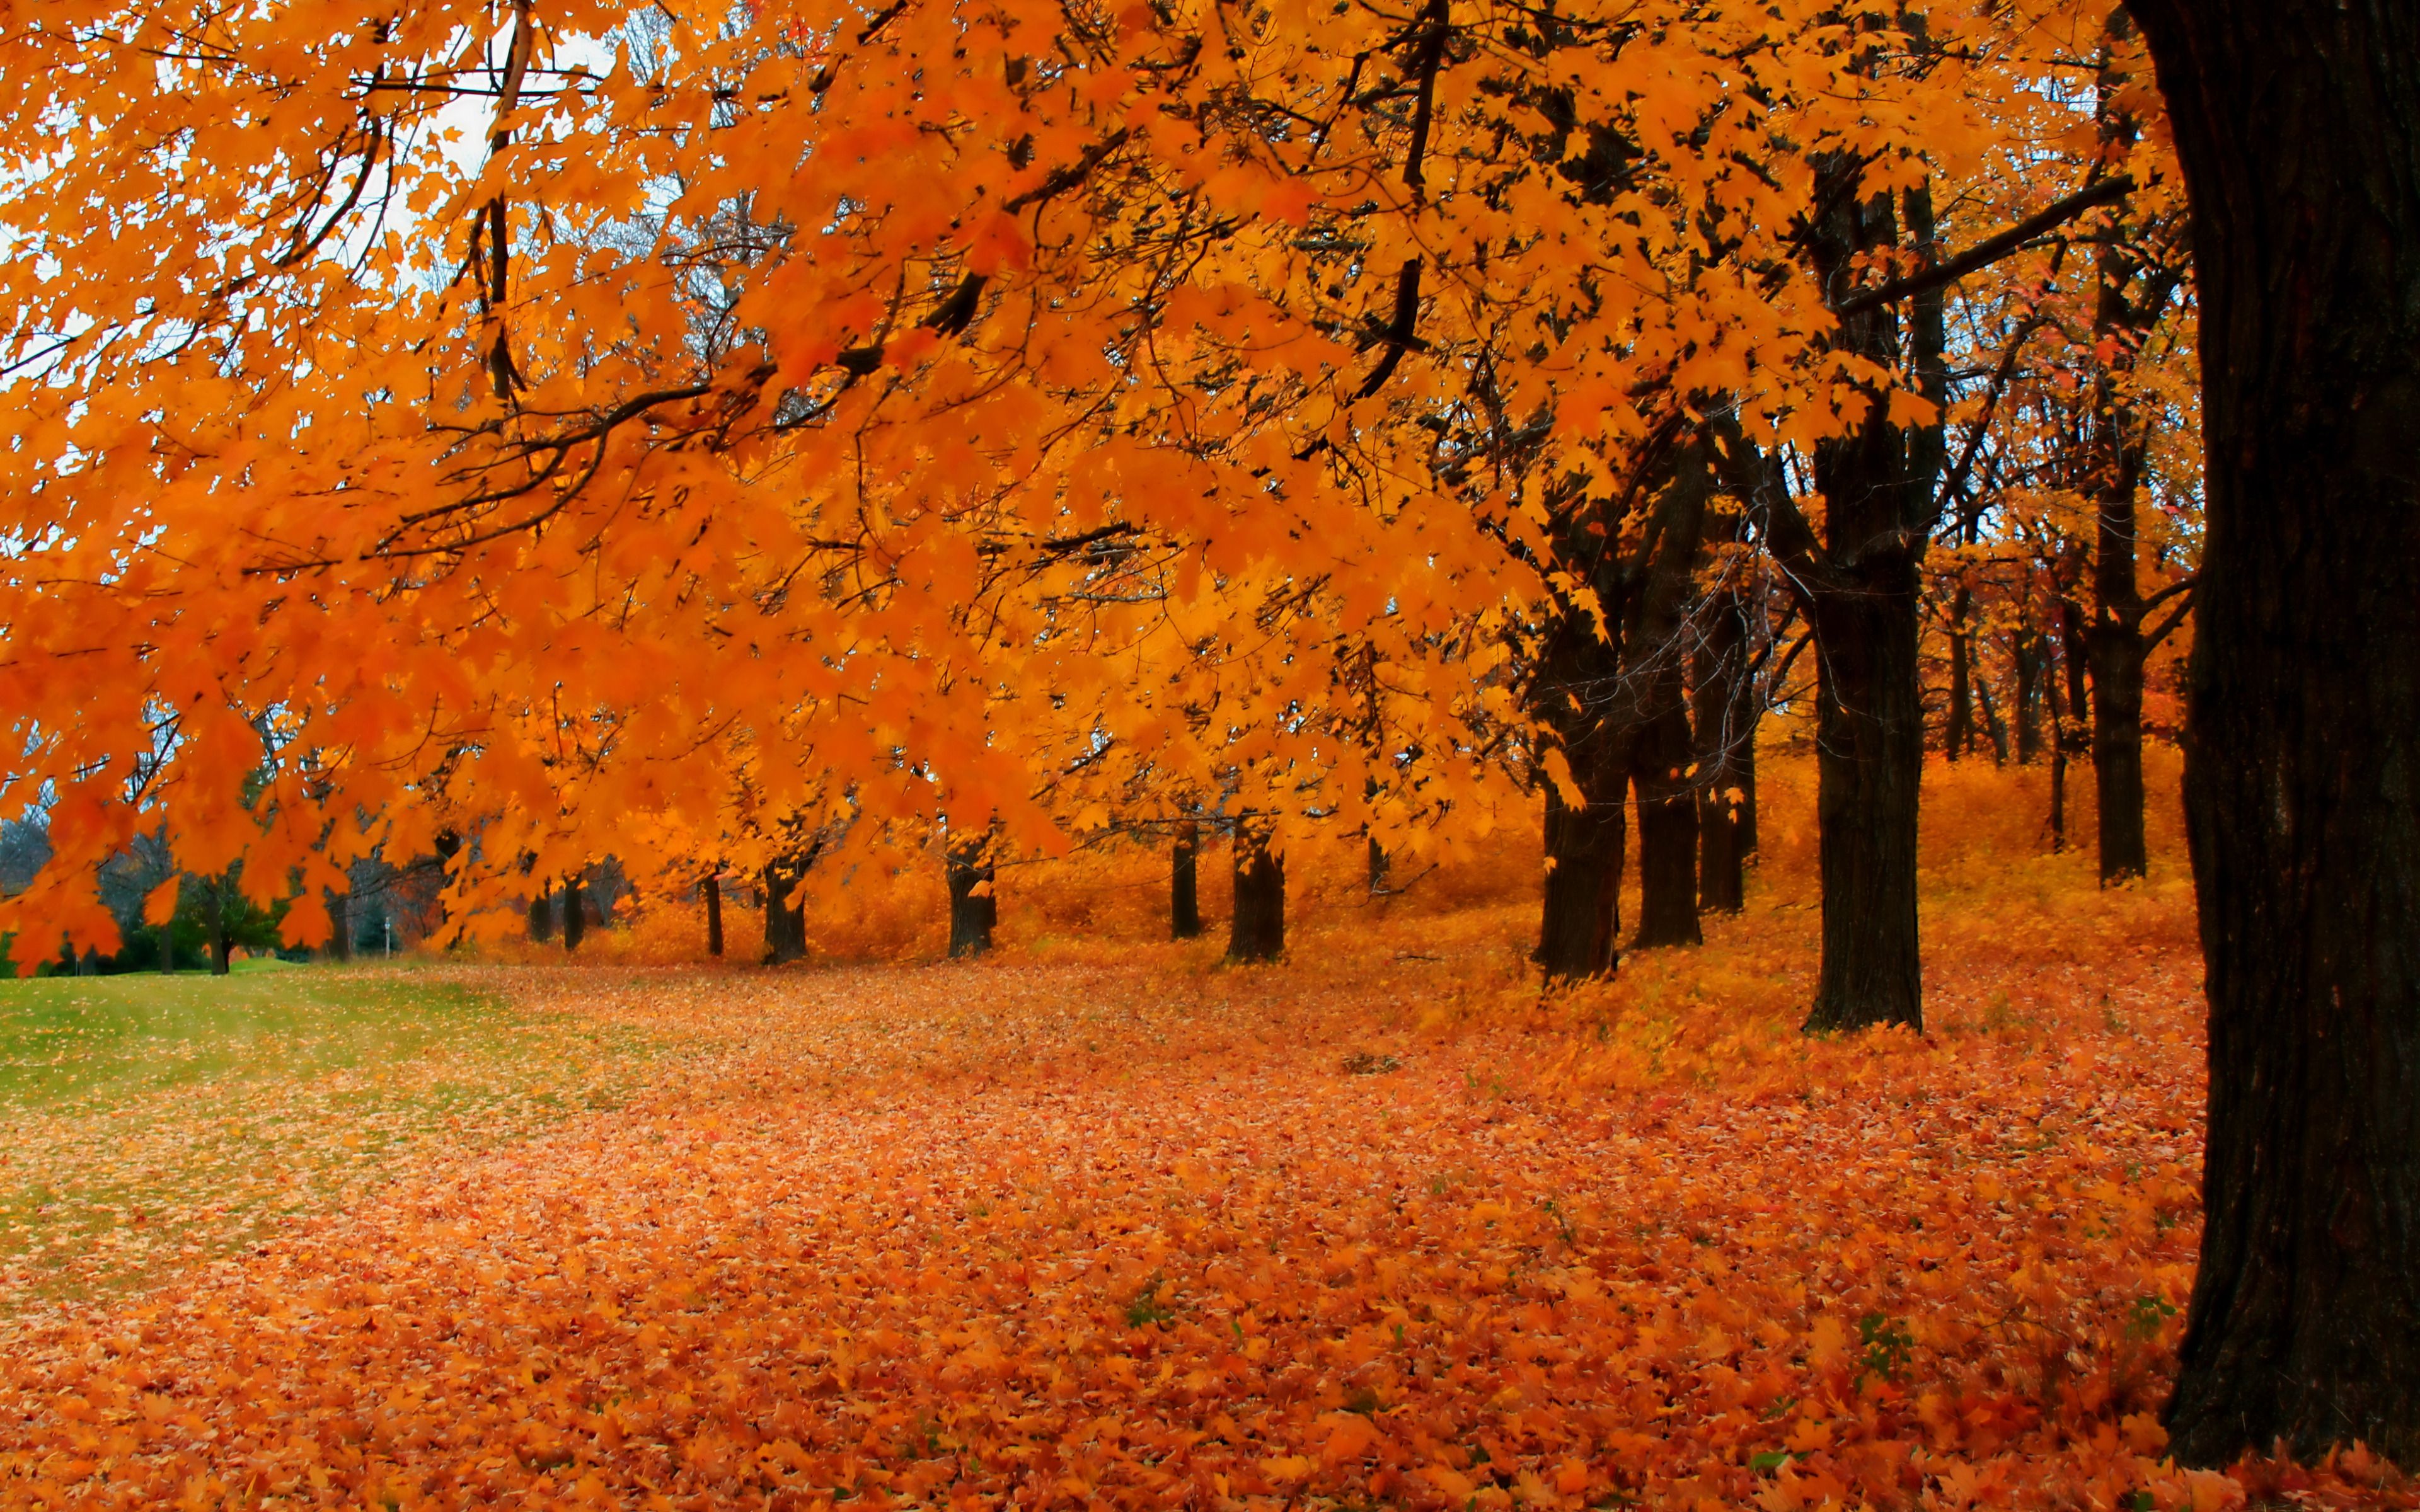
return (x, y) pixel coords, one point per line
(2122, 313)
(1581, 920)
(1256, 930)
(1869, 767)
(786, 910)
(2299, 126)
(712, 888)
(340, 925)
(1184, 883)
(1879, 485)
(974, 911)
(1668, 824)
(541, 912)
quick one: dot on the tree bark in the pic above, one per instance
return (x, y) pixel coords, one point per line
(2069, 732)
(1256, 932)
(786, 910)
(2122, 315)
(1580, 923)
(2027, 713)
(974, 912)
(575, 917)
(1668, 827)
(1728, 710)
(712, 887)
(2298, 123)
(1184, 883)
(1957, 734)
(1860, 593)
(541, 912)
(222, 941)
(340, 921)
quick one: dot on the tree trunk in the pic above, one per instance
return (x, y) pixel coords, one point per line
(1862, 599)
(340, 921)
(1256, 932)
(2117, 746)
(2119, 445)
(2068, 732)
(1958, 736)
(973, 910)
(575, 916)
(1668, 827)
(786, 911)
(2029, 696)
(541, 912)
(1994, 730)
(222, 941)
(1184, 883)
(169, 948)
(1377, 865)
(1727, 716)
(2298, 123)
(1581, 920)
(1868, 766)
(712, 887)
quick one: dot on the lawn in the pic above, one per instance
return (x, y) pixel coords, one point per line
(151, 1122)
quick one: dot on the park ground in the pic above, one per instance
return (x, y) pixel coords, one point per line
(1107, 1224)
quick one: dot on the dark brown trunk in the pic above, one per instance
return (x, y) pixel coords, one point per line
(2126, 304)
(1668, 827)
(1581, 920)
(1994, 730)
(2028, 659)
(786, 911)
(2298, 123)
(1727, 707)
(974, 912)
(1958, 736)
(340, 926)
(168, 947)
(1376, 864)
(1257, 930)
(2117, 745)
(222, 945)
(1184, 884)
(541, 914)
(1862, 599)
(1869, 767)
(2070, 725)
(575, 915)
(712, 887)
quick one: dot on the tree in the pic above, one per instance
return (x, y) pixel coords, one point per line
(1256, 930)
(1184, 883)
(2298, 124)
(974, 907)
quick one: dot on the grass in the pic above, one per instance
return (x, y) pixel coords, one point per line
(149, 1122)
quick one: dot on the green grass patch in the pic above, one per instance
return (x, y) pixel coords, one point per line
(149, 1122)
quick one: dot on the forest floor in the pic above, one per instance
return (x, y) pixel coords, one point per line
(1374, 1227)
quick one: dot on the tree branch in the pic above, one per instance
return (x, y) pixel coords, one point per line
(1989, 251)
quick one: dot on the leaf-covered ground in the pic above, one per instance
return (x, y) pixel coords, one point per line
(1373, 1229)
(151, 1123)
